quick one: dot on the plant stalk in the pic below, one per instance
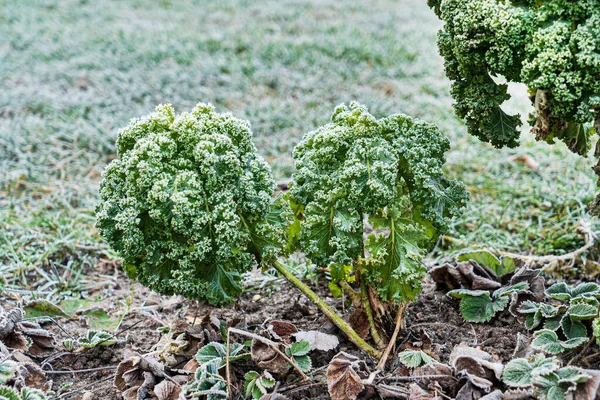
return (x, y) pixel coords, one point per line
(399, 325)
(369, 310)
(328, 311)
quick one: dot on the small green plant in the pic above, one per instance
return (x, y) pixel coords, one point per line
(96, 338)
(26, 393)
(480, 306)
(550, 46)
(544, 376)
(207, 384)
(487, 284)
(298, 353)
(415, 358)
(214, 353)
(575, 306)
(189, 206)
(257, 385)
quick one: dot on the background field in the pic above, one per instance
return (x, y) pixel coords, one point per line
(73, 72)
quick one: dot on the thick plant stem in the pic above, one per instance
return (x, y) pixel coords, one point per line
(329, 313)
(354, 296)
(369, 310)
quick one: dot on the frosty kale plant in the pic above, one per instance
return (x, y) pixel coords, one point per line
(372, 199)
(189, 205)
(552, 46)
(186, 203)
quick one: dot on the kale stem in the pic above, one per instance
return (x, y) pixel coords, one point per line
(399, 325)
(355, 297)
(328, 311)
(369, 310)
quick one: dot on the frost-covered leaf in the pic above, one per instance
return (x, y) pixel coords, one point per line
(7, 393)
(582, 311)
(303, 362)
(216, 353)
(559, 291)
(586, 289)
(548, 341)
(415, 358)
(318, 340)
(507, 290)
(96, 338)
(519, 372)
(478, 305)
(300, 348)
(573, 328)
(343, 382)
(257, 385)
(596, 329)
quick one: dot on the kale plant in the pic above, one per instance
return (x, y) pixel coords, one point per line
(373, 199)
(187, 202)
(552, 46)
(190, 205)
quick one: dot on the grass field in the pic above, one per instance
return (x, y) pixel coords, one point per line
(73, 72)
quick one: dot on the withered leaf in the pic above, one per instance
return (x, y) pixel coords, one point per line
(276, 396)
(359, 321)
(415, 392)
(318, 340)
(343, 382)
(475, 362)
(167, 390)
(589, 390)
(282, 330)
(266, 358)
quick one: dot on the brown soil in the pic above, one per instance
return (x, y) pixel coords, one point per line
(433, 312)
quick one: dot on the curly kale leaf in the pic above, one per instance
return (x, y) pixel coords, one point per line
(552, 46)
(387, 171)
(186, 201)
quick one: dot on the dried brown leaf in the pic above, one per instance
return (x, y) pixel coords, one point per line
(34, 376)
(359, 321)
(589, 390)
(275, 396)
(415, 392)
(343, 382)
(266, 358)
(167, 390)
(518, 394)
(391, 392)
(124, 377)
(282, 330)
(475, 362)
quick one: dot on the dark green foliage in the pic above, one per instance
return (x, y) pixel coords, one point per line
(382, 177)
(553, 47)
(188, 203)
